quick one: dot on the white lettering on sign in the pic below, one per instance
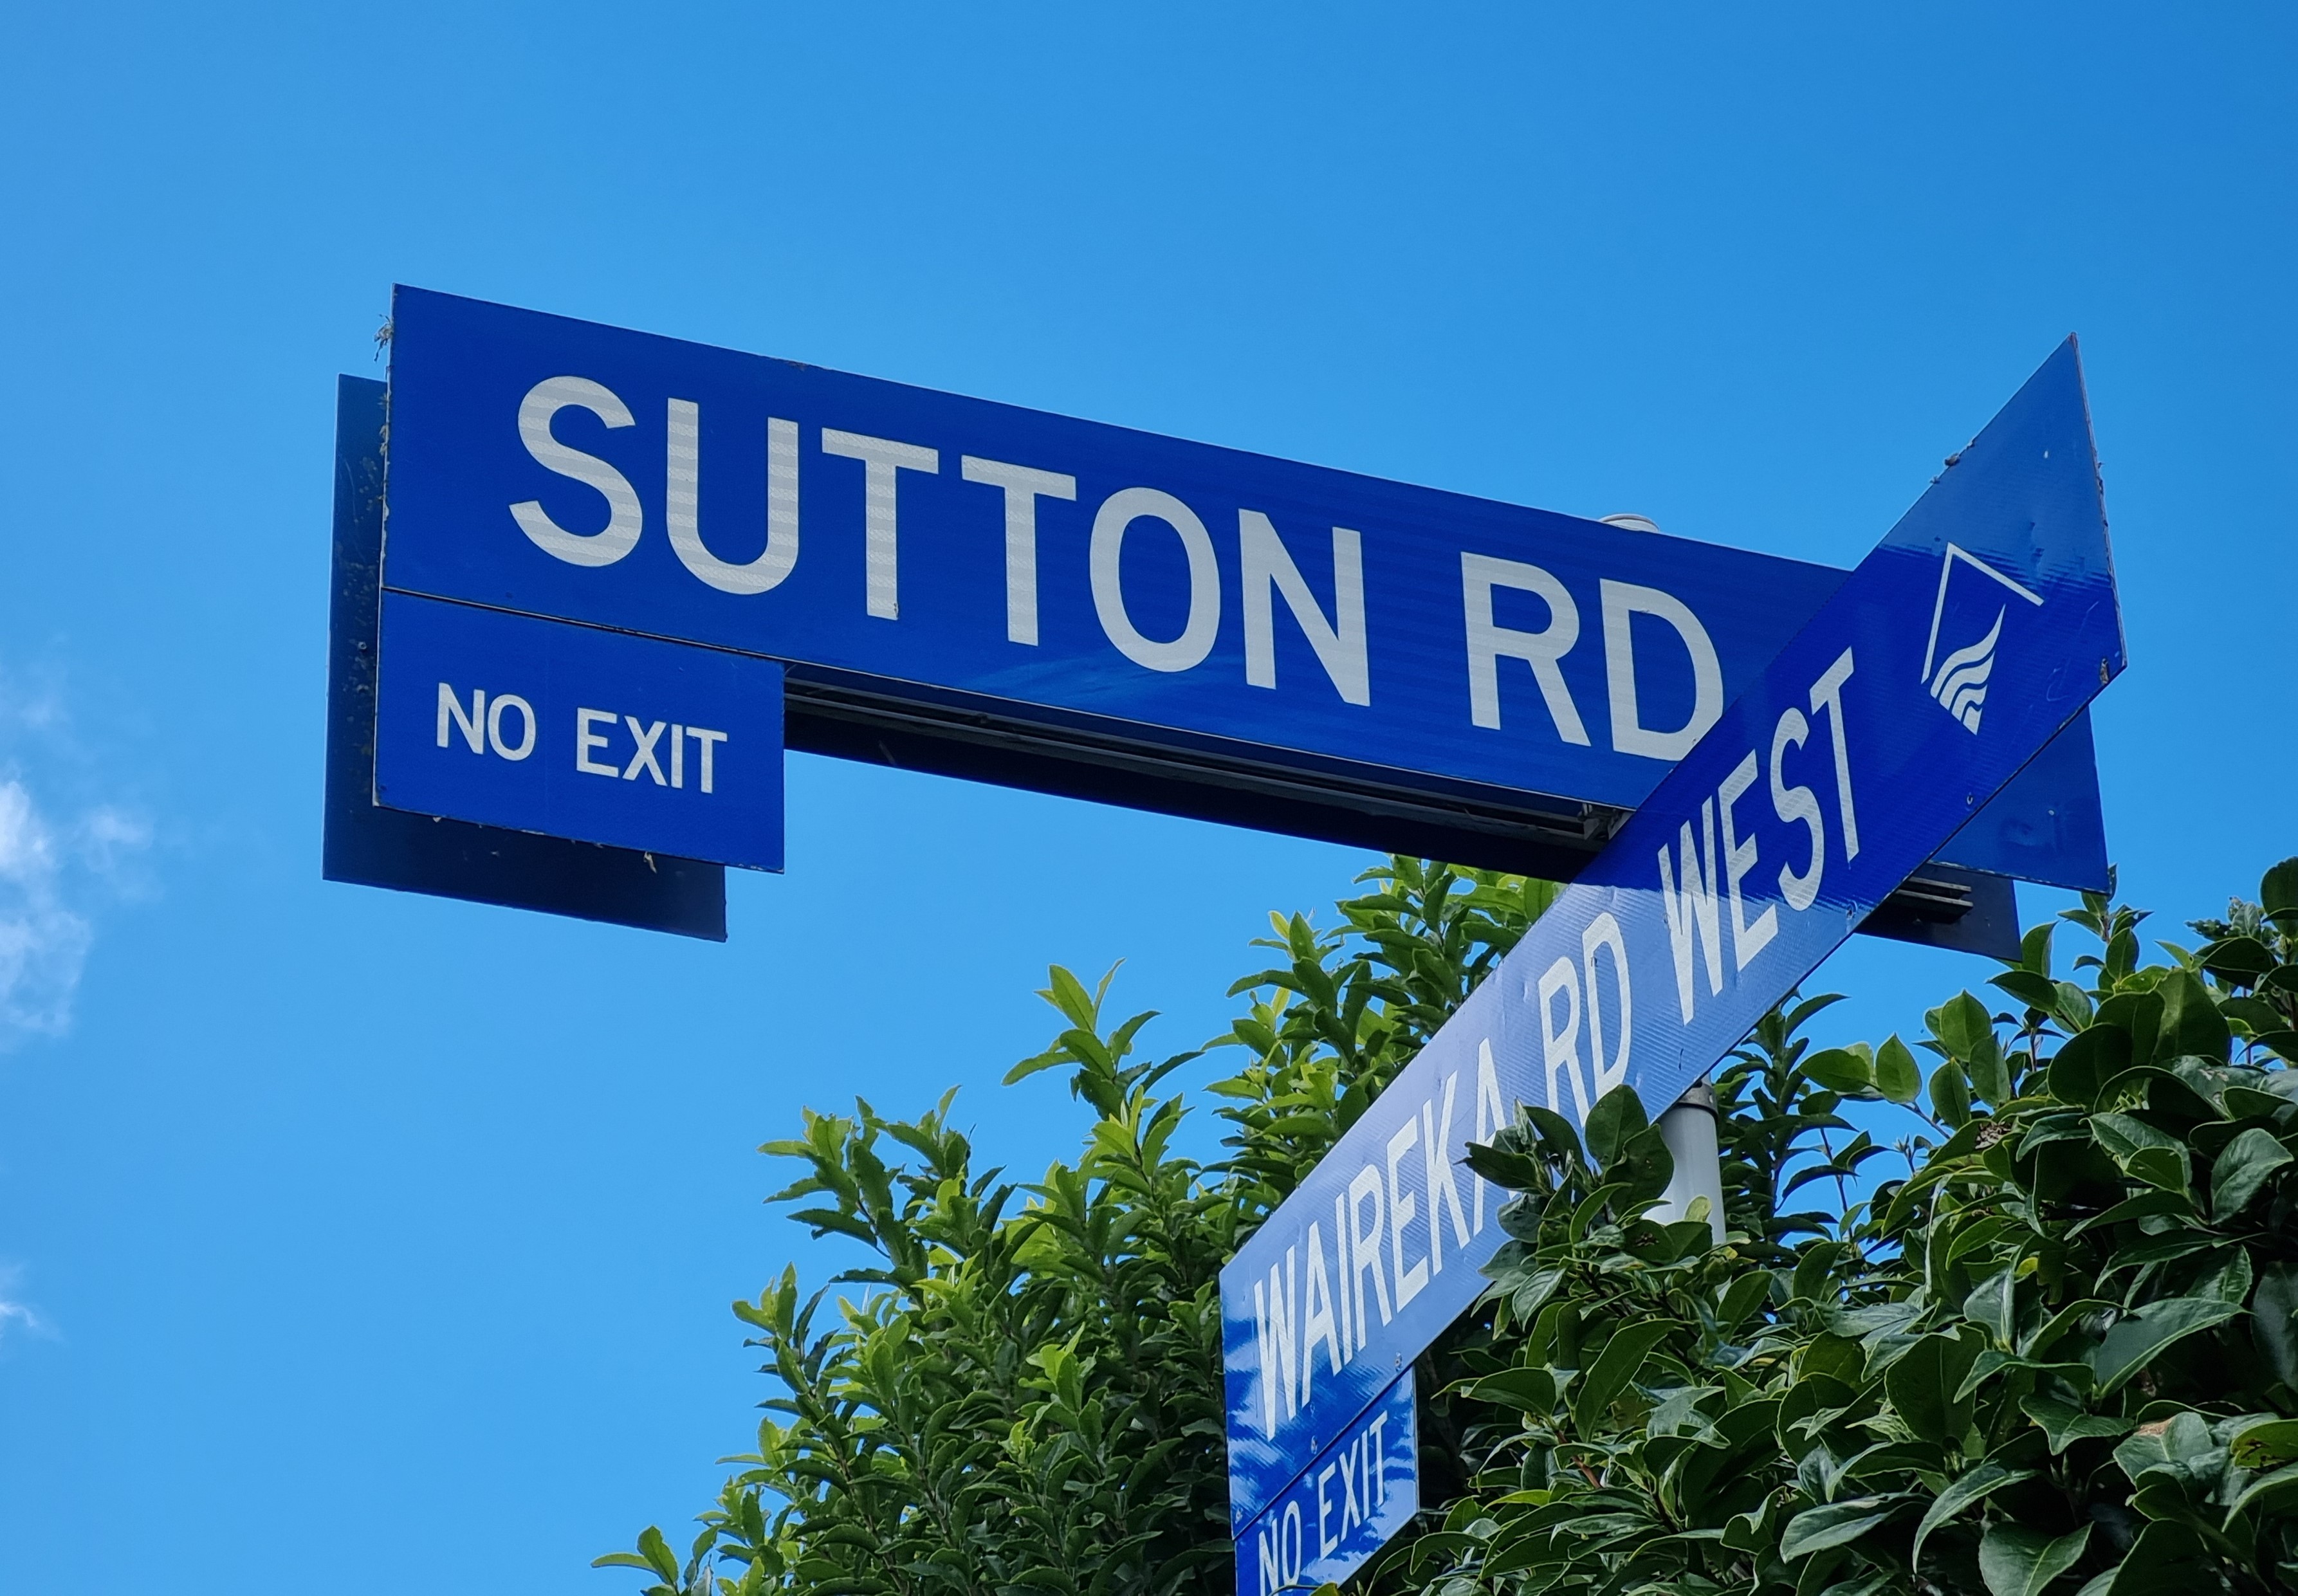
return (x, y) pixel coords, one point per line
(624, 518)
(510, 700)
(482, 728)
(682, 500)
(1339, 638)
(709, 740)
(585, 739)
(647, 741)
(1740, 858)
(1797, 805)
(1403, 1208)
(1339, 643)
(1349, 1492)
(1443, 1188)
(1630, 735)
(1117, 515)
(1827, 693)
(1690, 892)
(1280, 1551)
(1561, 1023)
(1491, 1113)
(1392, 1226)
(1489, 643)
(646, 736)
(882, 459)
(1321, 1321)
(1024, 485)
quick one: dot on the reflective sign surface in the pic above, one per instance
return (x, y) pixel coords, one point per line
(1978, 629)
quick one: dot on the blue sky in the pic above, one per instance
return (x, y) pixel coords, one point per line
(348, 1230)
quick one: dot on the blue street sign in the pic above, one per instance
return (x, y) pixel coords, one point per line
(1976, 630)
(1356, 1494)
(1177, 625)
(599, 736)
(370, 845)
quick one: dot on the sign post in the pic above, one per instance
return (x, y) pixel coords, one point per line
(1949, 660)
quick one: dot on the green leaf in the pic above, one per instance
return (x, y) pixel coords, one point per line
(1527, 1390)
(2240, 1173)
(2087, 1060)
(2277, 1489)
(2241, 960)
(2134, 1342)
(2246, 1103)
(1989, 1077)
(2138, 1013)
(2144, 1153)
(1950, 1096)
(1961, 1492)
(2143, 1207)
(1962, 1025)
(2167, 1559)
(1644, 1165)
(1922, 1382)
(2264, 1444)
(2018, 1561)
(1741, 1298)
(2035, 948)
(1840, 1070)
(659, 1555)
(2065, 1424)
(2035, 991)
(1836, 1524)
(2274, 1320)
(1896, 1074)
(2278, 889)
(1531, 1294)
(1616, 1119)
(1993, 1305)
(1615, 1366)
(2192, 1025)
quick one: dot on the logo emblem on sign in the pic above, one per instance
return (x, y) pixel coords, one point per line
(1958, 682)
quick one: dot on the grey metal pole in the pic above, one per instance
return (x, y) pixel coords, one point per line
(1688, 1127)
(1688, 1130)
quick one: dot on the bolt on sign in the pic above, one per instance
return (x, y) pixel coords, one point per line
(1975, 632)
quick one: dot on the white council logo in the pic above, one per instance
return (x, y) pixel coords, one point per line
(1959, 682)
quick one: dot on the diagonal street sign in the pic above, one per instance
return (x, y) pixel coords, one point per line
(1954, 652)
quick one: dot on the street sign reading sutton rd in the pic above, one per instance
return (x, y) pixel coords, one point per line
(1976, 630)
(1026, 598)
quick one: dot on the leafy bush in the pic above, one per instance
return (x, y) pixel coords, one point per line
(1026, 1393)
(2060, 1350)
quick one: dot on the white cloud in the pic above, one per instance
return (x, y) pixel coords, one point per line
(52, 872)
(17, 1316)
(43, 942)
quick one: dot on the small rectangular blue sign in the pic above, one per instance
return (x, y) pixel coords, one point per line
(1347, 1504)
(574, 732)
(1963, 644)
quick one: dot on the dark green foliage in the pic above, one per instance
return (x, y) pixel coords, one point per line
(2061, 1353)
(2056, 1353)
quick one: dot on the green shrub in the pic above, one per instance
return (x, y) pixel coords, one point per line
(2060, 1351)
